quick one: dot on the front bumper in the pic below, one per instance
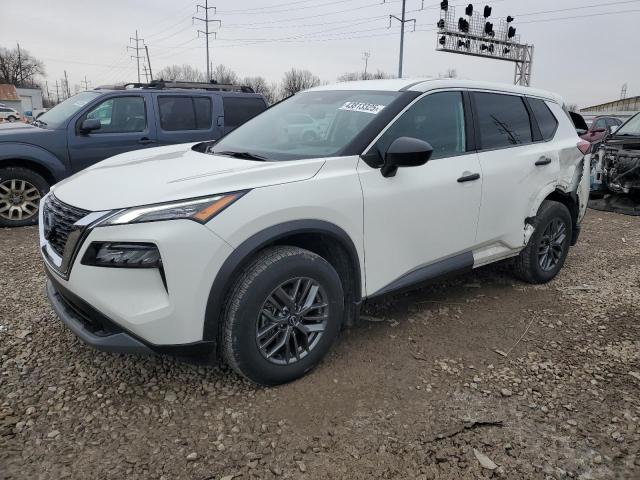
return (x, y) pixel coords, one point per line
(161, 310)
(92, 328)
(100, 332)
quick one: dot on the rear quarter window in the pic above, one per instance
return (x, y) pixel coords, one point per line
(237, 110)
(185, 113)
(547, 122)
(503, 120)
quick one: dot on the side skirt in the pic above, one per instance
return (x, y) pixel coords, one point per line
(455, 265)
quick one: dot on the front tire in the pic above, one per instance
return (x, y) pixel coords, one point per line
(11, 118)
(282, 316)
(20, 192)
(547, 250)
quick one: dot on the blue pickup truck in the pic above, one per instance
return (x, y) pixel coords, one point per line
(101, 123)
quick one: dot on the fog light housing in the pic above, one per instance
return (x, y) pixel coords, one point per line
(122, 255)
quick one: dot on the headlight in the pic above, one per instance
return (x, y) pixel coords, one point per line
(199, 209)
(122, 254)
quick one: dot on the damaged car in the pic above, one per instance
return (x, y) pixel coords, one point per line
(258, 249)
(617, 166)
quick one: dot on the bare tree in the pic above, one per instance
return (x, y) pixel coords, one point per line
(225, 75)
(379, 74)
(185, 73)
(450, 73)
(19, 68)
(259, 85)
(572, 107)
(351, 76)
(296, 80)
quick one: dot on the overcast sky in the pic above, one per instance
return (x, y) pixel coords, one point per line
(585, 59)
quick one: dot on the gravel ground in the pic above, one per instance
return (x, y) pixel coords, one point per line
(481, 376)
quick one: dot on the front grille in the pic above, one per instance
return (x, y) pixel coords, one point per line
(58, 220)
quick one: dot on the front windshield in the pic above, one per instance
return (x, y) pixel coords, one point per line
(631, 128)
(308, 125)
(58, 115)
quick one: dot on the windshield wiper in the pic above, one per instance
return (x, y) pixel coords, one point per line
(242, 155)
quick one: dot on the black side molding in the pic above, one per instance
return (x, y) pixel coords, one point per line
(450, 266)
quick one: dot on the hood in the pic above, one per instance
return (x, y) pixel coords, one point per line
(21, 132)
(623, 142)
(170, 173)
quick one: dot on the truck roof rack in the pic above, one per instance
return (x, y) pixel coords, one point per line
(164, 84)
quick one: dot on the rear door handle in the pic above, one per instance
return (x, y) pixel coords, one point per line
(468, 177)
(543, 161)
(145, 141)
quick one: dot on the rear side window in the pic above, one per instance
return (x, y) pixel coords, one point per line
(238, 110)
(546, 120)
(503, 120)
(185, 113)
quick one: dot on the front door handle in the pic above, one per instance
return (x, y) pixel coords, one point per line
(145, 141)
(543, 161)
(468, 177)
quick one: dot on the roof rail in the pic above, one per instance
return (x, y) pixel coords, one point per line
(163, 84)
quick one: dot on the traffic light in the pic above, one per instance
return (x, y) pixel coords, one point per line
(440, 24)
(487, 11)
(443, 40)
(463, 25)
(444, 5)
(469, 9)
(488, 29)
(511, 33)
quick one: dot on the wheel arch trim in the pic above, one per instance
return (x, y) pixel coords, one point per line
(237, 259)
(27, 156)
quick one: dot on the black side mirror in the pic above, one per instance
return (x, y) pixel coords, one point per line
(89, 125)
(405, 152)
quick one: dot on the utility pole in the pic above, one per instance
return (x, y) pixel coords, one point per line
(365, 57)
(66, 83)
(623, 91)
(137, 49)
(206, 31)
(402, 21)
(148, 63)
(146, 72)
(20, 72)
(86, 83)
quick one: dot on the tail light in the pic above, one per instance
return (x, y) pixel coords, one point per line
(584, 146)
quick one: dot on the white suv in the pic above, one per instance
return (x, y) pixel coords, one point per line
(259, 248)
(9, 114)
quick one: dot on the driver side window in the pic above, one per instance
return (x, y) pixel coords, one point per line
(120, 115)
(437, 119)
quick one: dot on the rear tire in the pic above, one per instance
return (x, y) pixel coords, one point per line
(11, 118)
(547, 250)
(20, 192)
(268, 307)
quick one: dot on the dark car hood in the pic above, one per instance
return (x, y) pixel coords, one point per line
(623, 142)
(21, 132)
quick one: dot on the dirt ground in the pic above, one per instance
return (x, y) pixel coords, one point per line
(530, 381)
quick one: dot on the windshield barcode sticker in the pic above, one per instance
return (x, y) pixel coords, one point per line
(362, 107)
